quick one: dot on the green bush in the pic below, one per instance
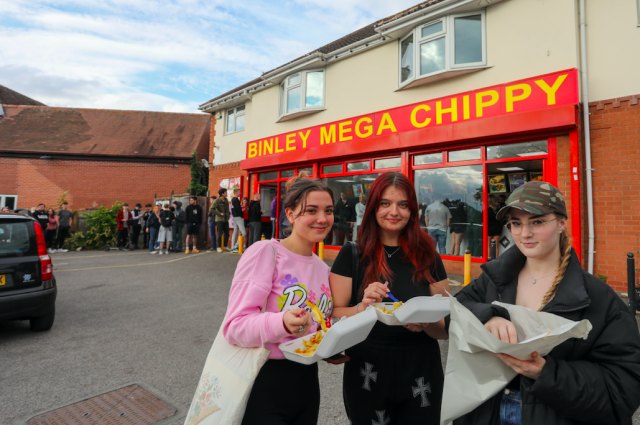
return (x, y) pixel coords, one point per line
(102, 229)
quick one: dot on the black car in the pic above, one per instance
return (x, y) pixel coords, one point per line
(27, 285)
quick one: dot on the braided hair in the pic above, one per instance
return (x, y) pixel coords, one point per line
(565, 258)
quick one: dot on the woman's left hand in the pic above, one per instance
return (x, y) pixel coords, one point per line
(416, 327)
(531, 368)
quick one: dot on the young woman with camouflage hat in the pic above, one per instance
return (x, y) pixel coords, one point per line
(596, 380)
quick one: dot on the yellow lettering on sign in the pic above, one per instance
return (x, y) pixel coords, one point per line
(453, 110)
(551, 91)
(511, 99)
(253, 150)
(414, 113)
(481, 105)
(466, 114)
(259, 147)
(304, 138)
(291, 138)
(386, 123)
(278, 150)
(268, 145)
(342, 137)
(368, 128)
(330, 137)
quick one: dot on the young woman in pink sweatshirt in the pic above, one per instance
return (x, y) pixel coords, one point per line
(284, 274)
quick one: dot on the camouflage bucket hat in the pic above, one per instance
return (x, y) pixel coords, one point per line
(537, 198)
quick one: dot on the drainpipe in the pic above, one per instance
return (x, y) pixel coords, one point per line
(587, 134)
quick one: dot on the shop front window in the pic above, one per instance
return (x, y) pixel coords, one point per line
(350, 193)
(466, 155)
(381, 164)
(451, 208)
(271, 175)
(332, 169)
(286, 173)
(537, 148)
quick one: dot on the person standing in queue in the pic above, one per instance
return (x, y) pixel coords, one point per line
(220, 209)
(152, 227)
(255, 219)
(193, 218)
(596, 380)
(396, 373)
(178, 225)
(282, 276)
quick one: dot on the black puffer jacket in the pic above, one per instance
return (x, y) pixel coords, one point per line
(593, 381)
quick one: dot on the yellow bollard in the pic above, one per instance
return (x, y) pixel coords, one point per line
(240, 244)
(263, 238)
(321, 250)
(467, 267)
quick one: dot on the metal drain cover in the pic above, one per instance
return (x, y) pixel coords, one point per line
(131, 405)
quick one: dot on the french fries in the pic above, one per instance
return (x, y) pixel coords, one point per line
(310, 345)
(385, 311)
(317, 315)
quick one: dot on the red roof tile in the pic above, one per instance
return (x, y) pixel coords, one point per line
(35, 129)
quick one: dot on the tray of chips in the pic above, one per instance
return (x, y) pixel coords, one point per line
(416, 310)
(319, 345)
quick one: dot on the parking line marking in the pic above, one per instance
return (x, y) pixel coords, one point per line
(131, 265)
(95, 256)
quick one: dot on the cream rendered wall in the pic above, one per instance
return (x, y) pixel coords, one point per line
(613, 49)
(525, 38)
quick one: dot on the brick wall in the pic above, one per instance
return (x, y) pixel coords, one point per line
(90, 182)
(615, 153)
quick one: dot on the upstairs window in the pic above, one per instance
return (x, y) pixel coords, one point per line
(302, 92)
(235, 119)
(447, 44)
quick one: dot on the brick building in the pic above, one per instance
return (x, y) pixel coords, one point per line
(98, 156)
(469, 100)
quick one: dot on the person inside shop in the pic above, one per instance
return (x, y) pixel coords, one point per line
(502, 201)
(596, 380)
(395, 375)
(457, 224)
(360, 207)
(281, 275)
(344, 219)
(437, 221)
(495, 225)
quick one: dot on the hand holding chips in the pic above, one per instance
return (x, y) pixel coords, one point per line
(317, 315)
(385, 311)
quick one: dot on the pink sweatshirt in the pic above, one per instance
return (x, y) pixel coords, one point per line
(295, 279)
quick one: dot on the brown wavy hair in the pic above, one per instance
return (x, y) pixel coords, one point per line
(416, 244)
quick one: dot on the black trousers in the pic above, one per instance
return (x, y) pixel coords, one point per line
(135, 234)
(49, 238)
(223, 232)
(396, 384)
(63, 232)
(123, 235)
(255, 232)
(284, 393)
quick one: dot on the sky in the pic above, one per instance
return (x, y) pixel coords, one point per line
(162, 55)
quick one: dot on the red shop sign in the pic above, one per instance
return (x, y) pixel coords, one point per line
(557, 89)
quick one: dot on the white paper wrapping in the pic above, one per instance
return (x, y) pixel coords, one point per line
(474, 373)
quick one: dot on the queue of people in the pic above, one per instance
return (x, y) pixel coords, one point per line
(395, 376)
(55, 226)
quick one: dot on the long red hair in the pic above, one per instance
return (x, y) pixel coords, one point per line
(416, 244)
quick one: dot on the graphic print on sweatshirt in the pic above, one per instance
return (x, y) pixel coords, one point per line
(295, 294)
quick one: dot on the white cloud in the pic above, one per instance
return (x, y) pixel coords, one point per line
(168, 55)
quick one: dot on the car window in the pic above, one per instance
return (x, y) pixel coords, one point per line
(16, 240)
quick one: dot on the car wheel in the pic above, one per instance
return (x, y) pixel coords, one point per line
(42, 323)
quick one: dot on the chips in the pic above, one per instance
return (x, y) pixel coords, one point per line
(385, 311)
(317, 315)
(310, 345)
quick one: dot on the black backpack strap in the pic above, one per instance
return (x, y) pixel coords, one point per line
(354, 273)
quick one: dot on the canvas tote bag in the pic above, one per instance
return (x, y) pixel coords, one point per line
(226, 381)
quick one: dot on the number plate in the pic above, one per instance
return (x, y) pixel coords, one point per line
(3, 279)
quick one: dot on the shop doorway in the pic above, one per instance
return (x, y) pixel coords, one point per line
(502, 179)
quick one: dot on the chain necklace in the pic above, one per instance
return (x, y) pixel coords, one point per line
(534, 280)
(389, 255)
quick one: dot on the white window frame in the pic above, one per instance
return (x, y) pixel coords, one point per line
(284, 89)
(638, 7)
(236, 114)
(448, 31)
(3, 200)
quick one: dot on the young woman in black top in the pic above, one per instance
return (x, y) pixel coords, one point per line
(396, 373)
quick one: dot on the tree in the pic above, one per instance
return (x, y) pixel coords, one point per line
(198, 185)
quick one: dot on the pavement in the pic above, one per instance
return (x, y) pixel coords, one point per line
(124, 318)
